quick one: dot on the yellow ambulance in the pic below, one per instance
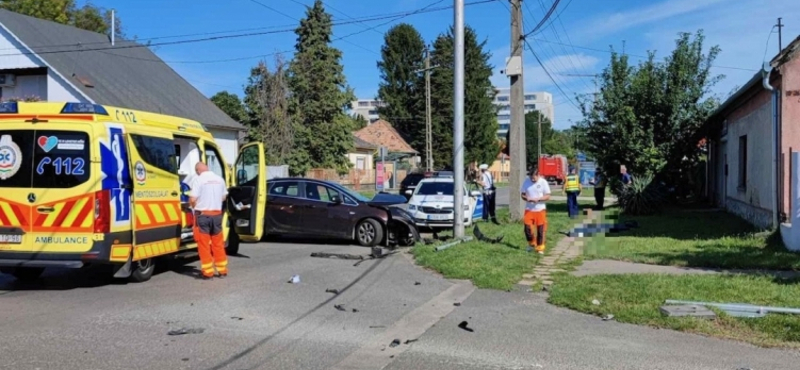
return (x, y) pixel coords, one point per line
(84, 184)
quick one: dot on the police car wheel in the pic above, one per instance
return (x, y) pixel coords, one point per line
(143, 270)
(369, 233)
(27, 273)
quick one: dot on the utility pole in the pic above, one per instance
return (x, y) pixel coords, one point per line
(458, 123)
(428, 134)
(516, 138)
(780, 43)
(428, 119)
(539, 153)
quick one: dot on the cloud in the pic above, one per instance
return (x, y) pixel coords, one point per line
(611, 23)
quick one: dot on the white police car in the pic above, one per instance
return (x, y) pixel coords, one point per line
(431, 204)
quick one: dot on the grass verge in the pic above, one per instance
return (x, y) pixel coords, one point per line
(636, 299)
(495, 266)
(696, 238)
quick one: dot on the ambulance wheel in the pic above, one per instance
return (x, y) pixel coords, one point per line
(27, 273)
(232, 244)
(369, 233)
(143, 270)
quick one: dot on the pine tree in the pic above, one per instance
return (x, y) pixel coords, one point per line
(319, 95)
(401, 87)
(480, 115)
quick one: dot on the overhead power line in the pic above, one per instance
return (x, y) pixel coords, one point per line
(549, 75)
(546, 16)
(426, 9)
(291, 17)
(246, 32)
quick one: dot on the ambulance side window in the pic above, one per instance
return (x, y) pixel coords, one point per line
(156, 151)
(246, 169)
(214, 161)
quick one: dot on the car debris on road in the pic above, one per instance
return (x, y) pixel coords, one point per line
(183, 331)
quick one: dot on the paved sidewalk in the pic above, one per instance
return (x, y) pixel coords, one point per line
(565, 250)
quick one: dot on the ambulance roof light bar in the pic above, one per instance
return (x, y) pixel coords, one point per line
(84, 108)
(9, 107)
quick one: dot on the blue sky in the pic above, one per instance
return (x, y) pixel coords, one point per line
(574, 43)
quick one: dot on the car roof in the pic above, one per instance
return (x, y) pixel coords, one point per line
(438, 179)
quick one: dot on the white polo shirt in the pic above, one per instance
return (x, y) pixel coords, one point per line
(536, 189)
(486, 177)
(209, 190)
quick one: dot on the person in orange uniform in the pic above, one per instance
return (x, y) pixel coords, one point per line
(535, 191)
(206, 197)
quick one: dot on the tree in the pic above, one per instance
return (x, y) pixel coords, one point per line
(268, 118)
(402, 89)
(480, 115)
(553, 141)
(231, 105)
(89, 17)
(320, 94)
(648, 116)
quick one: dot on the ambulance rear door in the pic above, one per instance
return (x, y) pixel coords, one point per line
(47, 190)
(247, 199)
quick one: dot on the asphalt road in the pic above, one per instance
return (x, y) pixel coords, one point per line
(254, 319)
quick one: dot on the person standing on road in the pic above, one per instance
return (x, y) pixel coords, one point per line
(487, 184)
(535, 191)
(599, 183)
(206, 197)
(572, 188)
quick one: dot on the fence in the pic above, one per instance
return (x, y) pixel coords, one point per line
(356, 179)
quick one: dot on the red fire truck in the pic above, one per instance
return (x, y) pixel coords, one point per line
(553, 168)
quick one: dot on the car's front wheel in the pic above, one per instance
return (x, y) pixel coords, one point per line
(369, 233)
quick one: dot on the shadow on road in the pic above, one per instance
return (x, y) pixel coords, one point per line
(267, 339)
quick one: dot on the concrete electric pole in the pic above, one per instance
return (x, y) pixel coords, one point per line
(458, 123)
(539, 153)
(780, 34)
(428, 127)
(516, 139)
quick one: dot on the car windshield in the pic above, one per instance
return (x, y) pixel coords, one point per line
(413, 179)
(436, 188)
(353, 194)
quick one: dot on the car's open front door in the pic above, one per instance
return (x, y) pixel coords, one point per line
(247, 199)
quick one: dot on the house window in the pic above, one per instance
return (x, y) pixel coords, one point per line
(530, 97)
(530, 106)
(360, 163)
(503, 117)
(742, 162)
(502, 98)
(363, 104)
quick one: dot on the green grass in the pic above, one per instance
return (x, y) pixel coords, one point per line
(636, 299)
(495, 266)
(696, 239)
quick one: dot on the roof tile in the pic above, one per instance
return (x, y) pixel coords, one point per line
(381, 133)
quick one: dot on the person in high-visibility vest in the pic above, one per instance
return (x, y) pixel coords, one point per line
(572, 188)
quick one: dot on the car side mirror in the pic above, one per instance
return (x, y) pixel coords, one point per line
(336, 199)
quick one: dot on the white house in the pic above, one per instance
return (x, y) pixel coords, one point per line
(55, 62)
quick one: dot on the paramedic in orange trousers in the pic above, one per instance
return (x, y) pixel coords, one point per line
(206, 197)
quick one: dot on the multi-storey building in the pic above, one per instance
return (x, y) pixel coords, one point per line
(367, 108)
(541, 101)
